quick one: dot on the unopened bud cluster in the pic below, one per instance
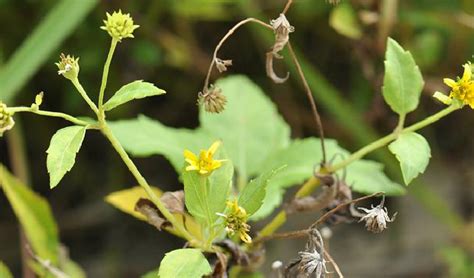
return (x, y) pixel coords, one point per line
(119, 25)
(6, 119)
(68, 66)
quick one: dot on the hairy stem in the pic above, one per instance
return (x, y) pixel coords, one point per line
(65, 116)
(84, 95)
(105, 75)
(144, 184)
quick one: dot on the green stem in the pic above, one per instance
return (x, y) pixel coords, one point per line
(144, 184)
(311, 184)
(392, 136)
(67, 117)
(84, 95)
(105, 75)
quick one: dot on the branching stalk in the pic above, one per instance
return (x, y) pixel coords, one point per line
(105, 75)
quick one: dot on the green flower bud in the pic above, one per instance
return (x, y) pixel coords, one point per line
(119, 25)
(6, 119)
(68, 66)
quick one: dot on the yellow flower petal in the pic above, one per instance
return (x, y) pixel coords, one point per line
(448, 81)
(190, 155)
(466, 76)
(214, 147)
(192, 168)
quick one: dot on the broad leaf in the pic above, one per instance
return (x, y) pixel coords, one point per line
(402, 82)
(251, 197)
(4, 271)
(250, 126)
(413, 152)
(367, 177)
(62, 152)
(220, 184)
(135, 90)
(301, 158)
(189, 263)
(35, 216)
(344, 20)
(144, 137)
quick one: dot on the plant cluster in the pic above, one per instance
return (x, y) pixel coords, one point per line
(235, 167)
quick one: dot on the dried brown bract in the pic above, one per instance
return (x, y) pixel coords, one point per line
(282, 29)
(222, 65)
(153, 216)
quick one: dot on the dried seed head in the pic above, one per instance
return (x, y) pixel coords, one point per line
(282, 29)
(119, 25)
(6, 119)
(68, 66)
(376, 218)
(213, 100)
(222, 65)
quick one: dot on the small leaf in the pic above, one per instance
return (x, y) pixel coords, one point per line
(4, 271)
(35, 216)
(344, 20)
(413, 152)
(62, 152)
(252, 196)
(403, 81)
(189, 263)
(135, 90)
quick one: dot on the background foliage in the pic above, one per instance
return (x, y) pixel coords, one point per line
(173, 49)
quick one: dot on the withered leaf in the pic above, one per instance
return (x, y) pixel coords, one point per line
(152, 214)
(174, 201)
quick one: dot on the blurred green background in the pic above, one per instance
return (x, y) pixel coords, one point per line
(341, 48)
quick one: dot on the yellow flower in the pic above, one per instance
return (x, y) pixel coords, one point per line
(6, 119)
(205, 163)
(236, 221)
(119, 25)
(463, 88)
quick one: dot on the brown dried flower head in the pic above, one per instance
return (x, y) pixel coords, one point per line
(222, 65)
(213, 100)
(376, 219)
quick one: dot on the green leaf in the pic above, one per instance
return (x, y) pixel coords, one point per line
(4, 271)
(413, 152)
(403, 81)
(144, 137)
(62, 151)
(252, 196)
(135, 90)
(256, 128)
(303, 155)
(35, 216)
(41, 43)
(220, 184)
(367, 177)
(344, 20)
(189, 263)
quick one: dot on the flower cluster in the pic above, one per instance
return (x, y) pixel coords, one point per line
(119, 25)
(205, 163)
(68, 66)
(6, 119)
(461, 90)
(236, 221)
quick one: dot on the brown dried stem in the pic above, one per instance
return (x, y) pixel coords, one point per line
(309, 94)
(287, 6)
(334, 264)
(324, 217)
(221, 42)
